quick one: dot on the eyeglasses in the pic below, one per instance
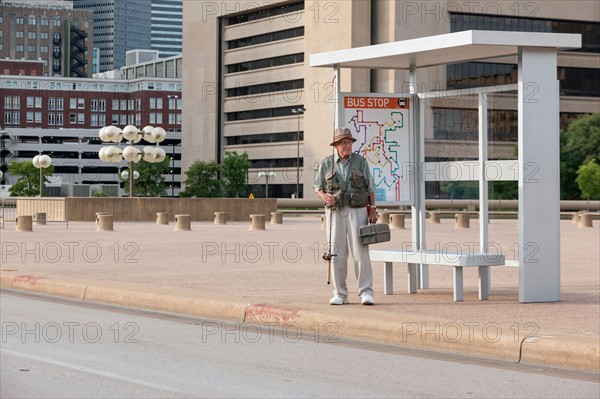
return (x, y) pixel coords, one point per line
(345, 142)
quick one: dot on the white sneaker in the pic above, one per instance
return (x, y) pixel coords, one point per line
(338, 300)
(367, 299)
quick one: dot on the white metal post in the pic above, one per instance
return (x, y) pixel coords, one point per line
(539, 178)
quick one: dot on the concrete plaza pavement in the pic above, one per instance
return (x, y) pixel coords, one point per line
(276, 277)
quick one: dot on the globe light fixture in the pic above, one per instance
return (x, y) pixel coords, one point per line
(271, 174)
(132, 135)
(42, 162)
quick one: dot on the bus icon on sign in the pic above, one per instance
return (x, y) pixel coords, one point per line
(402, 102)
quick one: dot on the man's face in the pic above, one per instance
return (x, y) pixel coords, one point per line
(344, 148)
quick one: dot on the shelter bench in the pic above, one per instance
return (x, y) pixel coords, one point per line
(457, 260)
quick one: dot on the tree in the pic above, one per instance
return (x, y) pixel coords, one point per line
(580, 145)
(203, 180)
(588, 180)
(151, 182)
(28, 178)
(234, 171)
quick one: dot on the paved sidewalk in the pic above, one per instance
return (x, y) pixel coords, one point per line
(277, 277)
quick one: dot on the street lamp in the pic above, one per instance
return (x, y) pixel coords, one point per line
(266, 176)
(298, 111)
(42, 162)
(131, 154)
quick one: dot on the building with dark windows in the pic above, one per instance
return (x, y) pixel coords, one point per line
(166, 19)
(61, 117)
(121, 26)
(50, 32)
(248, 73)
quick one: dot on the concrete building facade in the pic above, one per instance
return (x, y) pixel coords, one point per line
(250, 71)
(53, 33)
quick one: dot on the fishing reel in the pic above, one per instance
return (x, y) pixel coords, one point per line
(327, 256)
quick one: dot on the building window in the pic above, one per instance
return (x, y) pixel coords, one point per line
(19, 34)
(159, 103)
(266, 38)
(59, 119)
(16, 118)
(115, 119)
(59, 104)
(29, 102)
(31, 48)
(266, 63)
(80, 118)
(31, 20)
(51, 119)
(51, 103)
(123, 105)
(44, 21)
(152, 103)
(31, 35)
(19, 48)
(29, 117)
(115, 105)
(73, 118)
(43, 49)
(81, 103)
(19, 20)
(44, 35)
(38, 102)
(123, 119)
(56, 22)
(38, 117)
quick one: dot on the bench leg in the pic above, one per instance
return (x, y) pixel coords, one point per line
(413, 277)
(458, 283)
(424, 276)
(388, 278)
(484, 282)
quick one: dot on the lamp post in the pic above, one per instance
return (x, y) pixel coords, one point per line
(298, 111)
(266, 176)
(131, 154)
(42, 162)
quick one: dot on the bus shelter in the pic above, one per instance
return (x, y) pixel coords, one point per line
(538, 162)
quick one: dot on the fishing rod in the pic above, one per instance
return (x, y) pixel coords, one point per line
(328, 256)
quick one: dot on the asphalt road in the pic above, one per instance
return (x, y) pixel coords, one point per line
(59, 348)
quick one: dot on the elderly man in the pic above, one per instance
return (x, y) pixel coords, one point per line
(345, 185)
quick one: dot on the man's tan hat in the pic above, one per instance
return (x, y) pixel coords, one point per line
(341, 133)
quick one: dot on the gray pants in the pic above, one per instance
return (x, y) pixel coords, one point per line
(345, 223)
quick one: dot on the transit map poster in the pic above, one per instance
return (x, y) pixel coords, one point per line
(380, 123)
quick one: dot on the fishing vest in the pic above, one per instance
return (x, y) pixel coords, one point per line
(353, 192)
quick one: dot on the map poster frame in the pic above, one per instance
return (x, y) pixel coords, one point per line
(381, 123)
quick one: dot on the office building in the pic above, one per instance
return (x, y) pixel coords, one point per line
(51, 32)
(61, 117)
(248, 74)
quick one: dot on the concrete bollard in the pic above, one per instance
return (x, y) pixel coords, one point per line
(39, 218)
(461, 220)
(575, 217)
(100, 213)
(434, 217)
(276, 218)
(183, 222)
(162, 218)
(323, 222)
(105, 223)
(220, 218)
(397, 221)
(24, 223)
(585, 220)
(384, 217)
(257, 222)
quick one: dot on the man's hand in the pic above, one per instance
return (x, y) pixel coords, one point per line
(372, 214)
(328, 199)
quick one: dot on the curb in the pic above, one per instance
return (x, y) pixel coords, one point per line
(484, 340)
